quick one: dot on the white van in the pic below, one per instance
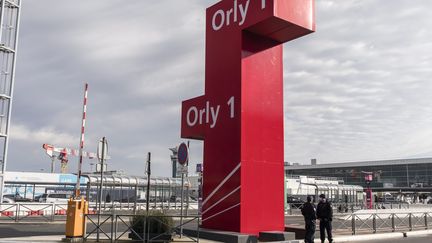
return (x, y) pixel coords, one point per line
(54, 198)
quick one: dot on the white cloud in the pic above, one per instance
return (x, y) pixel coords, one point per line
(42, 135)
(359, 88)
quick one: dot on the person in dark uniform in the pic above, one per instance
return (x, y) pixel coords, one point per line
(308, 211)
(325, 216)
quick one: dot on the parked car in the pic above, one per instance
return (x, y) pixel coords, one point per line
(178, 199)
(16, 198)
(141, 200)
(36, 199)
(295, 202)
(7, 200)
(54, 198)
(175, 199)
(388, 199)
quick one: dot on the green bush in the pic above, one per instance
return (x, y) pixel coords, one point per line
(158, 222)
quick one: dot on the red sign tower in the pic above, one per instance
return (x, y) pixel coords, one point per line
(240, 117)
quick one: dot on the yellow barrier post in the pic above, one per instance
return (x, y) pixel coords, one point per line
(76, 221)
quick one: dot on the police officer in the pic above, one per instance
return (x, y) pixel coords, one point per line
(308, 211)
(325, 216)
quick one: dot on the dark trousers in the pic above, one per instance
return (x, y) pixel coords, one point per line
(310, 225)
(326, 225)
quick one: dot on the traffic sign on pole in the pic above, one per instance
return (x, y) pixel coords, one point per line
(102, 148)
(183, 154)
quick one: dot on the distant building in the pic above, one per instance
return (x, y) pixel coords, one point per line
(334, 189)
(400, 174)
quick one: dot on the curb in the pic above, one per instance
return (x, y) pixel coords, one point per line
(382, 236)
(368, 237)
(418, 233)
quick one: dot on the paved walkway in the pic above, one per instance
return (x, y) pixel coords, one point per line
(409, 237)
(58, 238)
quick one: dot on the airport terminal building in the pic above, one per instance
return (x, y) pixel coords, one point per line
(395, 175)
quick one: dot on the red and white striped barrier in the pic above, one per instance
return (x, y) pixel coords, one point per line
(82, 140)
(60, 212)
(35, 213)
(7, 214)
(92, 211)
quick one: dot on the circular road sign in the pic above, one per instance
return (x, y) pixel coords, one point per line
(183, 154)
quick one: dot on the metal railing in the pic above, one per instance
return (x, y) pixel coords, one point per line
(57, 211)
(295, 208)
(115, 227)
(142, 206)
(33, 211)
(356, 223)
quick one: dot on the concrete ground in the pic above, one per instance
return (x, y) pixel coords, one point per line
(412, 239)
(57, 238)
(52, 232)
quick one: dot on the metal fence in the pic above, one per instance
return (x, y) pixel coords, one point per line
(57, 211)
(357, 223)
(118, 227)
(33, 211)
(295, 208)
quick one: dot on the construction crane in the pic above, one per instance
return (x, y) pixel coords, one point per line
(62, 155)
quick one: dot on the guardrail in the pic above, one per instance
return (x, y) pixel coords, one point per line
(114, 227)
(57, 211)
(22, 211)
(295, 208)
(142, 206)
(382, 222)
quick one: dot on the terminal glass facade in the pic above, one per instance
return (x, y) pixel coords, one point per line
(397, 175)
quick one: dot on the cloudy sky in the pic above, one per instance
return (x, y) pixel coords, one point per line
(358, 89)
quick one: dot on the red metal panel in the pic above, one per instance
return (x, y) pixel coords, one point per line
(262, 142)
(240, 117)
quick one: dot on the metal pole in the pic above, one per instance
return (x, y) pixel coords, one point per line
(181, 205)
(136, 196)
(187, 198)
(148, 182)
(410, 222)
(101, 186)
(88, 192)
(187, 178)
(34, 189)
(53, 157)
(147, 193)
(155, 193)
(353, 224)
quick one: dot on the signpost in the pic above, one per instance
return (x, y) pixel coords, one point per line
(148, 171)
(240, 117)
(183, 159)
(102, 152)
